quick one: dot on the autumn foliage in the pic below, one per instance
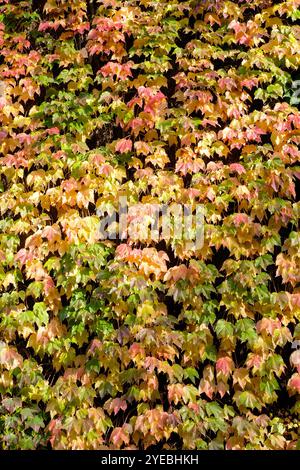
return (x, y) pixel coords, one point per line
(111, 344)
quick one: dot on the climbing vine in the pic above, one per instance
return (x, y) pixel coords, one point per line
(121, 344)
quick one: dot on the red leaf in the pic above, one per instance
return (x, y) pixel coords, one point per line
(294, 383)
(124, 145)
(118, 437)
(23, 256)
(237, 167)
(53, 131)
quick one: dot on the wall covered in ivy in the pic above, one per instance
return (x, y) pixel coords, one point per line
(125, 344)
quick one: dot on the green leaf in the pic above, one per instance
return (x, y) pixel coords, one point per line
(224, 329)
(191, 373)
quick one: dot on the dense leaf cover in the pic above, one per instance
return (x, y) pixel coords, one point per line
(114, 344)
